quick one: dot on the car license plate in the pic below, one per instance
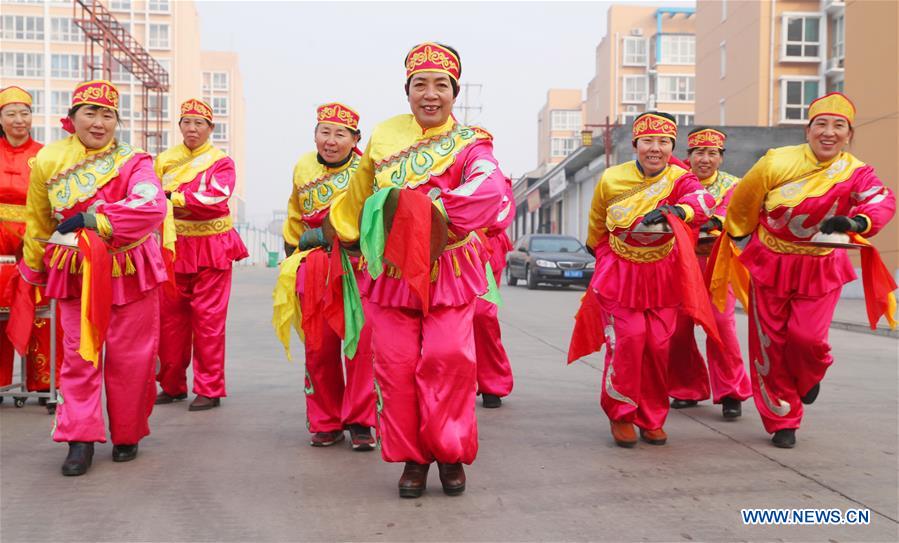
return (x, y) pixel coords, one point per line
(574, 273)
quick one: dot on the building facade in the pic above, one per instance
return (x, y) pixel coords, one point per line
(760, 63)
(42, 50)
(645, 61)
(559, 125)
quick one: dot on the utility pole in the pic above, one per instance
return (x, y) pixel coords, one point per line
(466, 107)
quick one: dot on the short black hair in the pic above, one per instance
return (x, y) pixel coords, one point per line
(668, 116)
(74, 109)
(453, 82)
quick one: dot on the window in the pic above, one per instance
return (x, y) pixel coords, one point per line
(22, 64)
(159, 36)
(796, 94)
(220, 81)
(835, 86)
(801, 37)
(635, 89)
(119, 73)
(220, 132)
(120, 5)
(635, 51)
(684, 119)
(220, 105)
(627, 119)
(722, 48)
(565, 119)
(64, 29)
(838, 48)
(59, 102)
(159, 6)
(57, 133)
(37, 133)
(123, 135)
(722, 110)
(125, 111)
(559, 147)
(677, 48)
(676, 88)
(154, 105)
(37, 101)
(65, 66)
(22, 27)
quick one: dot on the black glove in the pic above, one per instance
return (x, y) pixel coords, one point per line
(842, 224)
(592, 251)
(657, 216)
(168, 195)
(714, 223)
(312, 238)
(737, 238)
(75, 222)
(289, 249)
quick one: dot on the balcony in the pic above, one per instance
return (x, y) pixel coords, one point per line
(834, 66)
(834, 7)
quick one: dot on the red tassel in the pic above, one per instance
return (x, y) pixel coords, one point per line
(333, 307)
(589, 328)
(695, 299)
(21, 312)
(67, 125)
(409, 243)
(316, 269)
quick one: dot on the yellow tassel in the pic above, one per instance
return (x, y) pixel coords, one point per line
(361, 265)
(456, 269)
(467, 255)
(54, 258)
(116, 269)
(62, 258)
(81, 267)
(129, 265)
(435, 269)
(73, 262)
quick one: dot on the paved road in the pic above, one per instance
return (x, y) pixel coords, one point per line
(547, 468)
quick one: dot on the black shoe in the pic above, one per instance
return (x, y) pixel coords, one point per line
(361, 438)
(731, 408)
(812, 394)
(164, 397)
(681, 404)
(124, 453)
(785, 439)
(81, 454)
(491, 401)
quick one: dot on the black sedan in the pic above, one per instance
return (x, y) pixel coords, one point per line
(549, 258)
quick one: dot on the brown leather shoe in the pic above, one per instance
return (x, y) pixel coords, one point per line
(624, 434)
(414, 480)
(202, 403)
(654, 437)
(452, 477)
(164, 397)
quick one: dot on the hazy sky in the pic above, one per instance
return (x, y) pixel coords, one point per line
(297, 55)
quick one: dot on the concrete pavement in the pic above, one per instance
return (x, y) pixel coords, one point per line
(547, 468)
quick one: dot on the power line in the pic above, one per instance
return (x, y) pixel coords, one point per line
(466, 107)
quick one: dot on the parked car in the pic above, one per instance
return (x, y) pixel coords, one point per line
(549, 258)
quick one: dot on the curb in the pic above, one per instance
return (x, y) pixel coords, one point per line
(856, 327)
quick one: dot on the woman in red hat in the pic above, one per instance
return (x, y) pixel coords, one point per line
(17, 152)
(333, 403)
(421, 311)
(102, 203)
(646, 273)
(783, 202)
(199, 180)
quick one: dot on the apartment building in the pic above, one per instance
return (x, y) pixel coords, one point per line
(645, 61)
(43, 51)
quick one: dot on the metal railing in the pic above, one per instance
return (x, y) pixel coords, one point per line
(259, 244)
